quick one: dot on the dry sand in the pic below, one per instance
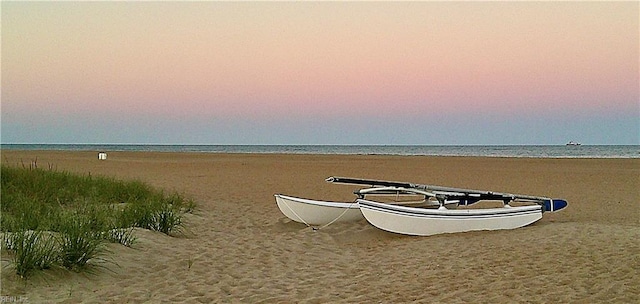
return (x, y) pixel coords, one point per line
(239, 248)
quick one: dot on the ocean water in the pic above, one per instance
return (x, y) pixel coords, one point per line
(546, 151)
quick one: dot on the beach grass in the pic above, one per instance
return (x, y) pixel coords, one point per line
(59, 219)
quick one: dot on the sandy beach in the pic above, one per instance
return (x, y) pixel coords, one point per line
(238, 247)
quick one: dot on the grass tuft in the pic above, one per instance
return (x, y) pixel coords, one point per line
(79, 241)
(32, 250)
(123, 236)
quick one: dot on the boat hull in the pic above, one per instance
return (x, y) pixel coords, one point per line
(423, 222)
(317, 213)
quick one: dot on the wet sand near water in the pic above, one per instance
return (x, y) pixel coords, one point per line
(238, 247)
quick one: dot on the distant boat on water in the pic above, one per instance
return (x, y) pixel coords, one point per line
(573, 143)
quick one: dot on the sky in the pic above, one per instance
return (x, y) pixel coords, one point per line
(381, 73)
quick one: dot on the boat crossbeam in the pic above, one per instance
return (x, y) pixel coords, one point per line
(466, 196)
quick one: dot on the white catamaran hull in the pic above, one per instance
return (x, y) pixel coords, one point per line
(420, 221)
(317, 213)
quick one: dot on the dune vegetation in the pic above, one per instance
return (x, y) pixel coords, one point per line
(59, 219)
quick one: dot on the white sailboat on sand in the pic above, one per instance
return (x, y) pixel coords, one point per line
(435, 212)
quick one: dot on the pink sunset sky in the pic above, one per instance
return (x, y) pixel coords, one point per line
(321, 72)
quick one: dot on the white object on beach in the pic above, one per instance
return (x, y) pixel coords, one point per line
(317, 213)
(411, 217)
(102, 155)
(323, 213)
(421, 221)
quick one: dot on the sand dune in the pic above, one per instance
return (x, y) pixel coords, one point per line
(238, 247)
